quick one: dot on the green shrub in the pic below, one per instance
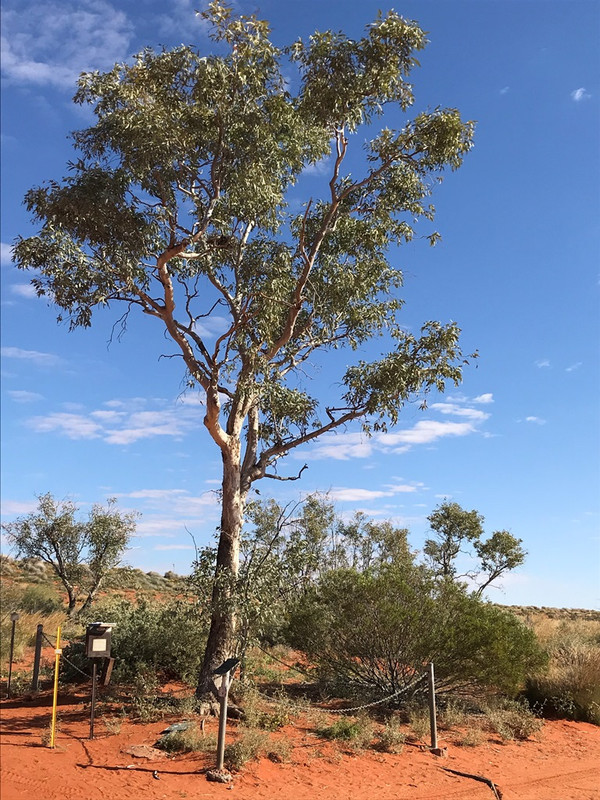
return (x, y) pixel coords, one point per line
(357, 731)
(373, 632)
(391, 738)
(42, 598)
(166, 639)
(249, 746)
(191, 740)
(513, 721)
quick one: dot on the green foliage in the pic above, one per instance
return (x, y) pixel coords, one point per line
(375, 631)
(191, 740)
(249, 746)
(162, 638)
(43, 599)
(79, 553)
(513, 721)
(390, 738)
(357, 731)
(456, 528)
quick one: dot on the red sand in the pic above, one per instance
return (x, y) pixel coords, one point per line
(562, 763)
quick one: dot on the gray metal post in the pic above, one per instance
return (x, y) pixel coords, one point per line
(432, 719)
(35, 680)
(93, 709)
(14, 617)
(224, 693)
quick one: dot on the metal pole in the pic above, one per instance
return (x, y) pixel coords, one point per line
(93, 709)
(223, 693)
(35, 680)
(57, 653)
(14, 617)
(432, 719)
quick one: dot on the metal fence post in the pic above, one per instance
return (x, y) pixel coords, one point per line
(432, 717)
(35, 680)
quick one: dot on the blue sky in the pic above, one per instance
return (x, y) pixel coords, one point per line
(518, 268)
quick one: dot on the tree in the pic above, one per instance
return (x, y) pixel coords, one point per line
(80, 553)
(456, 528)
(176, 206)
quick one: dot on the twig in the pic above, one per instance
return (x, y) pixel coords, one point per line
(480, 778)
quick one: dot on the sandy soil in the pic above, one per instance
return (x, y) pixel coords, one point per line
(562, 763)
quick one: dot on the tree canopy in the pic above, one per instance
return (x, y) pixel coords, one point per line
(80, 552)
(178, 205)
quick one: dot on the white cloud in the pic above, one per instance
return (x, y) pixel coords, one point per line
(73, 426)
(153, 494)
(174, 547)
(5, 254)
(460, 411)
(211, 327)
(575, 366)
(124, 422)
(33, 356)
(577, 95)
(536, 420)
(50, 43)
(542, 362)
(355, 495)
(12, 507)
(505, 90)
(426, 432)
(484, 398)
(25, 290)
(23, 396)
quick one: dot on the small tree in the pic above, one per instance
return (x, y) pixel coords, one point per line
(456, 530)
(80, 553)
(177, 206)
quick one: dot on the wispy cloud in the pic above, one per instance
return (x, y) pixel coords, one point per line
(460, 411)
(23, 396)
(577, 95)
(535, 420)
(505, 90)
(174, 547)
(50, 43)
(211, 327)
(122, 424)
(32, 356)
(575, 366)
(484, 399)
(542, 363)
(5, 254)
(13, 507)
(354, 495)
(25, 290)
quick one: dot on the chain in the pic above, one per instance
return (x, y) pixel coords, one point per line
(64, 658)
(343, 710)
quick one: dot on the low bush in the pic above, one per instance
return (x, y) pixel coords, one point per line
(249, 746)
(371, 634)
(391, 738)
(191, 740)
(513, 720)
(356, 731)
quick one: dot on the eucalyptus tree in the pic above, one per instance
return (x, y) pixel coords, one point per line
(177, 206)
(80, 553)
(457, 531)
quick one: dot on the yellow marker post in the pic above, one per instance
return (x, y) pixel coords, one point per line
(57, 653)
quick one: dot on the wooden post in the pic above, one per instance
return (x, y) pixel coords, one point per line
(35, 680)
(223, 695)
(432, 719)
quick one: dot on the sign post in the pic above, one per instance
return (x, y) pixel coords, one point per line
(97, 645)
(222, 678)
(57, 654)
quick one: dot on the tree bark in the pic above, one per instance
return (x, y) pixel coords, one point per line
(220, 643)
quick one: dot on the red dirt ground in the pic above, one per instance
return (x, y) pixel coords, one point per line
(562, 763)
